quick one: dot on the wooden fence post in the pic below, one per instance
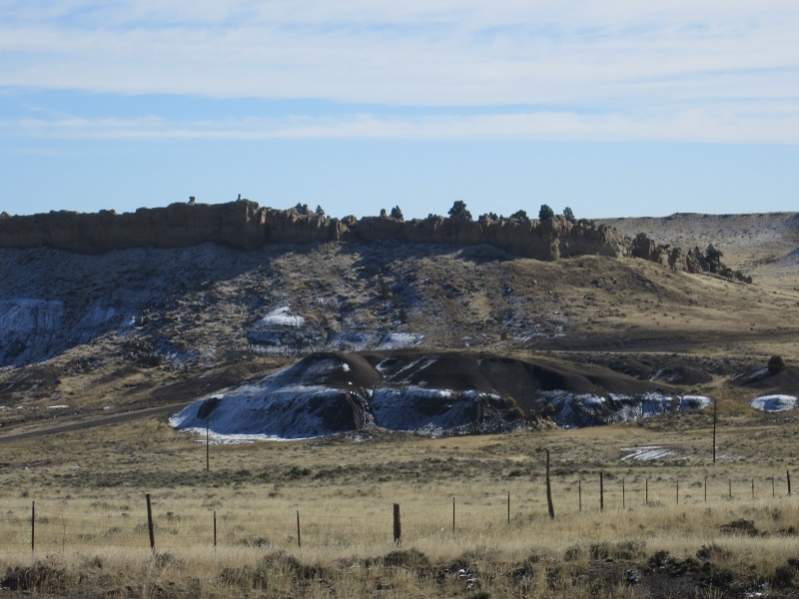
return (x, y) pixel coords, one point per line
(579, 495)
(33, 527)
(753, 488)
(773, 489)
(150, 523)
(453, 514)
(397, 524)
(706, 489)
(214, 530)
(646, 491)
(601, 492)
(788, 476)
(550, 507)
(678, 492)
(730, 484)
(299, 534)
(715, 418)
(623, 498)
(207, 447)
(508, 508)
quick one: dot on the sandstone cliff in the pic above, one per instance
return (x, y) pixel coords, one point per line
(244, 224)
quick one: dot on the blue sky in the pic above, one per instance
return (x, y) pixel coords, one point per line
(613, 108)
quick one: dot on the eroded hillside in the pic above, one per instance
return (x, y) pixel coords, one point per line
(144, 327)
(753, 242)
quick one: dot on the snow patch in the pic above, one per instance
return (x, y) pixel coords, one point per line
(96, 316)
(400, 340)
(290, 412)
(238, 439)
(283, 316)
(283, 332)
(32, 329)
(571, 409)
(352, 340)
(404, 374)
(774, 403)
(414, 408)
(647, 453)
(28, 329)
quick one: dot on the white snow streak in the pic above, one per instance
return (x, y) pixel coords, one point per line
(283, 316)
(774, 403)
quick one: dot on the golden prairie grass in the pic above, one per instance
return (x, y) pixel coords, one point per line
(89, 490)
(339, 531)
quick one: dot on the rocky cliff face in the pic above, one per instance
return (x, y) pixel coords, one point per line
(238, 224)
(244, 224)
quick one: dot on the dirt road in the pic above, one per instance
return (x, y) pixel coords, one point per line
(92, 422)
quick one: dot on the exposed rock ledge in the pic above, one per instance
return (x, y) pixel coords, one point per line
(244, 224)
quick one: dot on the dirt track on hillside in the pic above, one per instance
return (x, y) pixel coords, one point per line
(91, 423)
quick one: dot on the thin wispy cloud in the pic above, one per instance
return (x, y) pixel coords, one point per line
(732, 124)
(708, 70)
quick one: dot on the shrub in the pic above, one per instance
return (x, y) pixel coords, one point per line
(459, 211)
(408, 558)
(776, 364)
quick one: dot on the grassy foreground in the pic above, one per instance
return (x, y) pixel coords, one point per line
(92, 539)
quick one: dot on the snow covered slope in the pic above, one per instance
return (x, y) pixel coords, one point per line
(33, 329)
(446, 393)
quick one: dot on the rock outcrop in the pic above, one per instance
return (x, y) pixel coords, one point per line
(244, 224)
(695, 260)
(709, 261)
(545, 240)
(238, 224)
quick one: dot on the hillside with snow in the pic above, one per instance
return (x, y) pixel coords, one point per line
(433, 394)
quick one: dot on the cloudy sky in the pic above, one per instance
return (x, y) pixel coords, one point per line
(612, 107)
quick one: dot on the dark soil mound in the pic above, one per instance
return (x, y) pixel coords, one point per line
(784, 381)
(683, 375)
(434, 393)
(348, 371)
(674, 369)
(518, 379)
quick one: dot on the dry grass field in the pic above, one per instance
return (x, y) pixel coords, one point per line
(92, 538)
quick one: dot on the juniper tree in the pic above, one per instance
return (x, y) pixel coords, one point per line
(459, 211)
(545, 213)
